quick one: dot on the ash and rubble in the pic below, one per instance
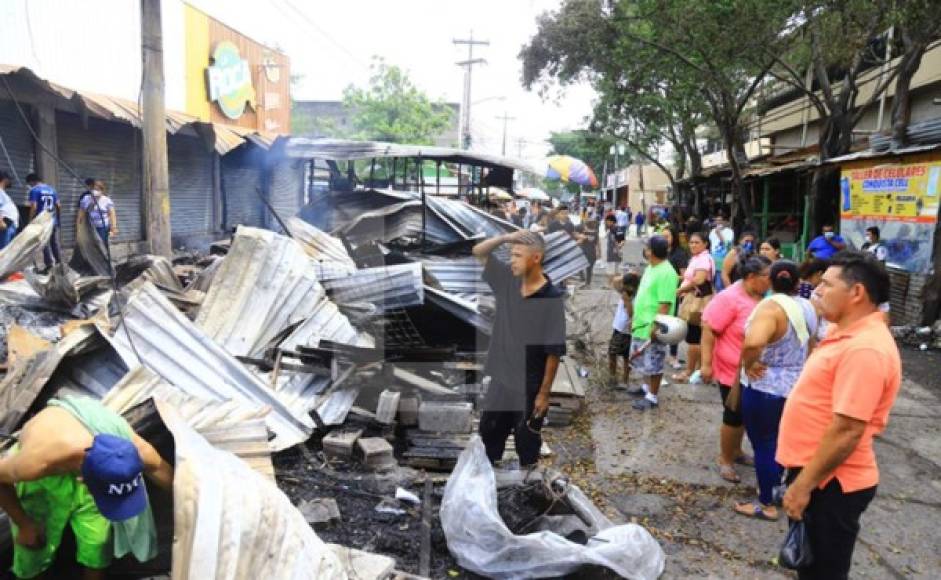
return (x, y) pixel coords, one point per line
(340, 362)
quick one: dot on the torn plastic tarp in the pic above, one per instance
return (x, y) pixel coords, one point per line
(230, 522)
(90, 255)
(19, 253)
(481, 542)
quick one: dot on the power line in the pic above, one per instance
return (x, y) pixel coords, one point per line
(313, 25)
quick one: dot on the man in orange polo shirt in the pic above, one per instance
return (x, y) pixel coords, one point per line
(841, 401)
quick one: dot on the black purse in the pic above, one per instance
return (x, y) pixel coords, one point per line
(796, 551)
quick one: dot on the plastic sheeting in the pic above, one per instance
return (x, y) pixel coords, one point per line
(481, 542)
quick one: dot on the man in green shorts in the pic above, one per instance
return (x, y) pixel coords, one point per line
(79, 464)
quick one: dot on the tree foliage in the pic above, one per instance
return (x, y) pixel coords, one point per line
(393, 109)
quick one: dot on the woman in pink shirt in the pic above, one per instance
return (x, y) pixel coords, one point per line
(723, 334)
(697, 277)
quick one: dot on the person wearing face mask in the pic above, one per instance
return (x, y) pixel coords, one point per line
(730, 267)
(874, 245)
(721, 239)
(99, 209)
(826, 244)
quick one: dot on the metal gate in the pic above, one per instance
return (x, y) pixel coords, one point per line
(106, 151)
(19, 145)
(191, 207)
(286, 193)
(241, 175)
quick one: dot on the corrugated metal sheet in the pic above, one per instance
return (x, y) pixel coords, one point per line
(265, 284)
(19, 145)
(872, 154)
(326, 322)
(286, 190)
(922, 133)
(232, 523)
(227, 425)
(225, 137)
(241, 178)
(191, 203)
(461, 308)
(388, 288)
(475, 222)
(177, 350)
(564, 258)
(457, 276)
(106, 151)
(19, 253)
(319, 245)
(341, 150)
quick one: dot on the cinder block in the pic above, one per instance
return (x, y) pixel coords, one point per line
(408, 411)
(340, 442)
(388, 406)
(445, 416)
(377, 452)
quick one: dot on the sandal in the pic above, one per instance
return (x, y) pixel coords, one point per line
(746, 460)
(754, 509)
(728, 473)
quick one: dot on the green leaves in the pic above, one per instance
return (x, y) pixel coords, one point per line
(393, 109)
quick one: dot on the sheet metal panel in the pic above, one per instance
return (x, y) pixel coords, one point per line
(178, 351)
(191, 204)
(231, 522)
(265, 283)
(286, 191)
(241, 175)
(107, 151)
(19, 146)
(388, 288)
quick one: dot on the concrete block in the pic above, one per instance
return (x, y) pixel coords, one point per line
(388, 406)
(445, 416)
(340, 442)
(408, 411)
(377, 452)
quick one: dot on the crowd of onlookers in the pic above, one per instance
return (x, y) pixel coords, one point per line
(800, 353)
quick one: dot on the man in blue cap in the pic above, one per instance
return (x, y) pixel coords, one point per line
(79, 464)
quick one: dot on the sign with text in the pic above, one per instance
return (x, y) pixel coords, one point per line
(230, 80)
(902, 200)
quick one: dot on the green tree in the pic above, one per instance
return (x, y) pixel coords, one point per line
(393, 109)
(661, 66)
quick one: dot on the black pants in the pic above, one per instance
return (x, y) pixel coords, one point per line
(832, 526)
(496, 426)
(52, 249)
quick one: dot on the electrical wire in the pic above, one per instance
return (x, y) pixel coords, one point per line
(114, 282)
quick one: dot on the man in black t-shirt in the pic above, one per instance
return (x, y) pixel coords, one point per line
(526, 344)
(562, 222)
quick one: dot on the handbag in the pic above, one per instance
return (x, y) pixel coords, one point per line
(694, 303)
(796, 552)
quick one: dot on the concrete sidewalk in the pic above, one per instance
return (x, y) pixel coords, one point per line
(658, 468)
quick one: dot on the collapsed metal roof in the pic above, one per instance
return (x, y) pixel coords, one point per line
(183, 355)
(347, 150)
(386, 287)
(266, 283)
(19, 253)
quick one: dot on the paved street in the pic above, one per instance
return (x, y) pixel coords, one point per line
(658, 468)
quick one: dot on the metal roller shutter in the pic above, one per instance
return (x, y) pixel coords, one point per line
(19, 146)
(106, 151)
(287, 190)
(241, 174)
(190, 186)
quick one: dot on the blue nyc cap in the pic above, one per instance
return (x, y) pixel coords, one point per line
(113, 472)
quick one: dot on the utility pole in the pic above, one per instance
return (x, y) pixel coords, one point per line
(519, 145)
(468, 68)
(505, 118)
(156, 184)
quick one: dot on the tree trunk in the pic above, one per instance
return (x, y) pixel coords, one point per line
(901, 102)
(733, 147)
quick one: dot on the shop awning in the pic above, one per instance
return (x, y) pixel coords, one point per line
(223, 138)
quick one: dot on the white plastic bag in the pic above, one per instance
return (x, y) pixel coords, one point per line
(480, 541)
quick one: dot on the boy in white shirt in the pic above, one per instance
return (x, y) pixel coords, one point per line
(620, 344)
(9, 214)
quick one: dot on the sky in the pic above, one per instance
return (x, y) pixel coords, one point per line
(331, 44)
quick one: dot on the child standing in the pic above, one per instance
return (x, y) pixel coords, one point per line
(620, 346)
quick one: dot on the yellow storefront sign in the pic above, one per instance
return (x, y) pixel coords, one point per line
(897, 192)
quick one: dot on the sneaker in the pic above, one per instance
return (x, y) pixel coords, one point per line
(644, 404)
(695, 378)
(637, 392)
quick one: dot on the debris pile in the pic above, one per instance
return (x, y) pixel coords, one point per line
(352, 347)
